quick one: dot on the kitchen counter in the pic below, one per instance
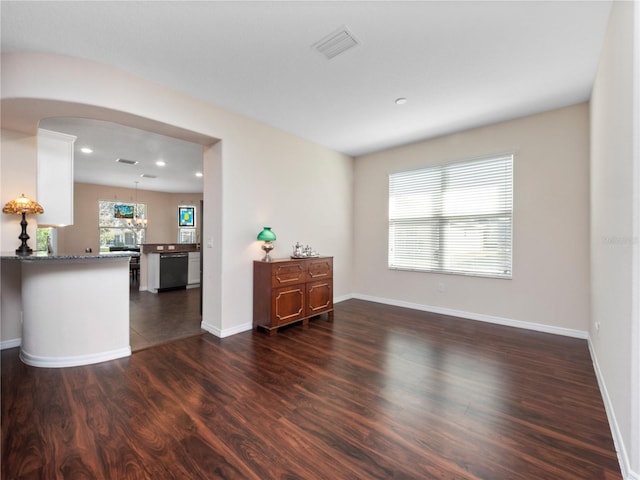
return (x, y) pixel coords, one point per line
(41, 256)
(75, 307)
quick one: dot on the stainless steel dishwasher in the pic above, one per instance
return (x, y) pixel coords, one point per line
(174, 268)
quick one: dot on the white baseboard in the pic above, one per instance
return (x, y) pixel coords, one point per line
(14, 342)
(623, 456)
(539, 327)
(212, 329)
(342, 298)
(75, 360)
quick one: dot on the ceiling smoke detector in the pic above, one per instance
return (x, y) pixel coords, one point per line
(126, 162)
(336, 43)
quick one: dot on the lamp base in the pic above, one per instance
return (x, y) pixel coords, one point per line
(24, 249)
(267, 247)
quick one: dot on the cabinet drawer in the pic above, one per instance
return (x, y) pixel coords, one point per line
(319, 297)
(287, 305)
(322, 268)
(288, 274)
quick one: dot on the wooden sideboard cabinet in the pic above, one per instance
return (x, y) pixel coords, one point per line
(291, 290)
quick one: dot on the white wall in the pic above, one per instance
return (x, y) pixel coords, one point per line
(254, 176)
(17, 176)
(550, 284)
(18, 168)
(615, 190)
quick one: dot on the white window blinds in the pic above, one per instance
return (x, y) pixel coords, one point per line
(453, 218)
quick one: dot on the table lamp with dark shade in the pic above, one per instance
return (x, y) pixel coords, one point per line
(267, 236)
(23, 206)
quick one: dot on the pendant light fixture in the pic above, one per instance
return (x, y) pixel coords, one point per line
(137, 221)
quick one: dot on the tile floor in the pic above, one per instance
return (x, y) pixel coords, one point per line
(157, 318)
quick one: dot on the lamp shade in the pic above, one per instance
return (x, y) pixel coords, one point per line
(21, 205)
(266, 235)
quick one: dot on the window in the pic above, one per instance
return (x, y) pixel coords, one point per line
(121, 224)
(44, 236)
(453, 218)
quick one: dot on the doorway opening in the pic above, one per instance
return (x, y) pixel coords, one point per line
(167, 174)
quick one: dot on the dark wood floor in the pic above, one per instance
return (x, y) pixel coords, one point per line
(157, 318)
(381, 392)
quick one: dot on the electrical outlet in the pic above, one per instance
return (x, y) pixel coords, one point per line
(597, 326)
(442, 287)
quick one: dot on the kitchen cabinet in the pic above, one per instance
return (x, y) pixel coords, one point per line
(55, 177)
(291, 290)
(193, 276)
(153, 272)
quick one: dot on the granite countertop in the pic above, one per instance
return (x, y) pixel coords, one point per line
(39, 256)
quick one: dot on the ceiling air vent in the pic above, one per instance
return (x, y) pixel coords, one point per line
(126, 162)
(336, 43)
(148, 175)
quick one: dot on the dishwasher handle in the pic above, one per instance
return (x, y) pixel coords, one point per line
(174, 255)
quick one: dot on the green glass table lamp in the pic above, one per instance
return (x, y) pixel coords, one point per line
(267, 236)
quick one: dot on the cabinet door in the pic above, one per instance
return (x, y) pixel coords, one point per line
(287, 304)
(319, 297)
(153, 272)
(55, 177)
(193, 276)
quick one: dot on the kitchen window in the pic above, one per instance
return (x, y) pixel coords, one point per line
(453, 218)
(121, 224)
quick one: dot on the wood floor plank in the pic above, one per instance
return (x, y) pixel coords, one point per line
(381, 392)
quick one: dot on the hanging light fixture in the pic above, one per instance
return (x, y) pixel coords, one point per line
(137, 221)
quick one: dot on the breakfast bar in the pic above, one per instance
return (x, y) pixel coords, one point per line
(75, 308)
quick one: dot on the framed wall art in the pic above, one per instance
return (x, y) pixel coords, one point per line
(186, 216)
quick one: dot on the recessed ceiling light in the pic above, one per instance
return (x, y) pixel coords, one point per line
(198, 174)
(401, 101)
(86, 150)
(160, 163)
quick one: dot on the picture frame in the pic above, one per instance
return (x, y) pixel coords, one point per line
(123, 210)
(186, 216)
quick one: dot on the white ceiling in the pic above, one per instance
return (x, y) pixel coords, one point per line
(110, 141)
(459, 64)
